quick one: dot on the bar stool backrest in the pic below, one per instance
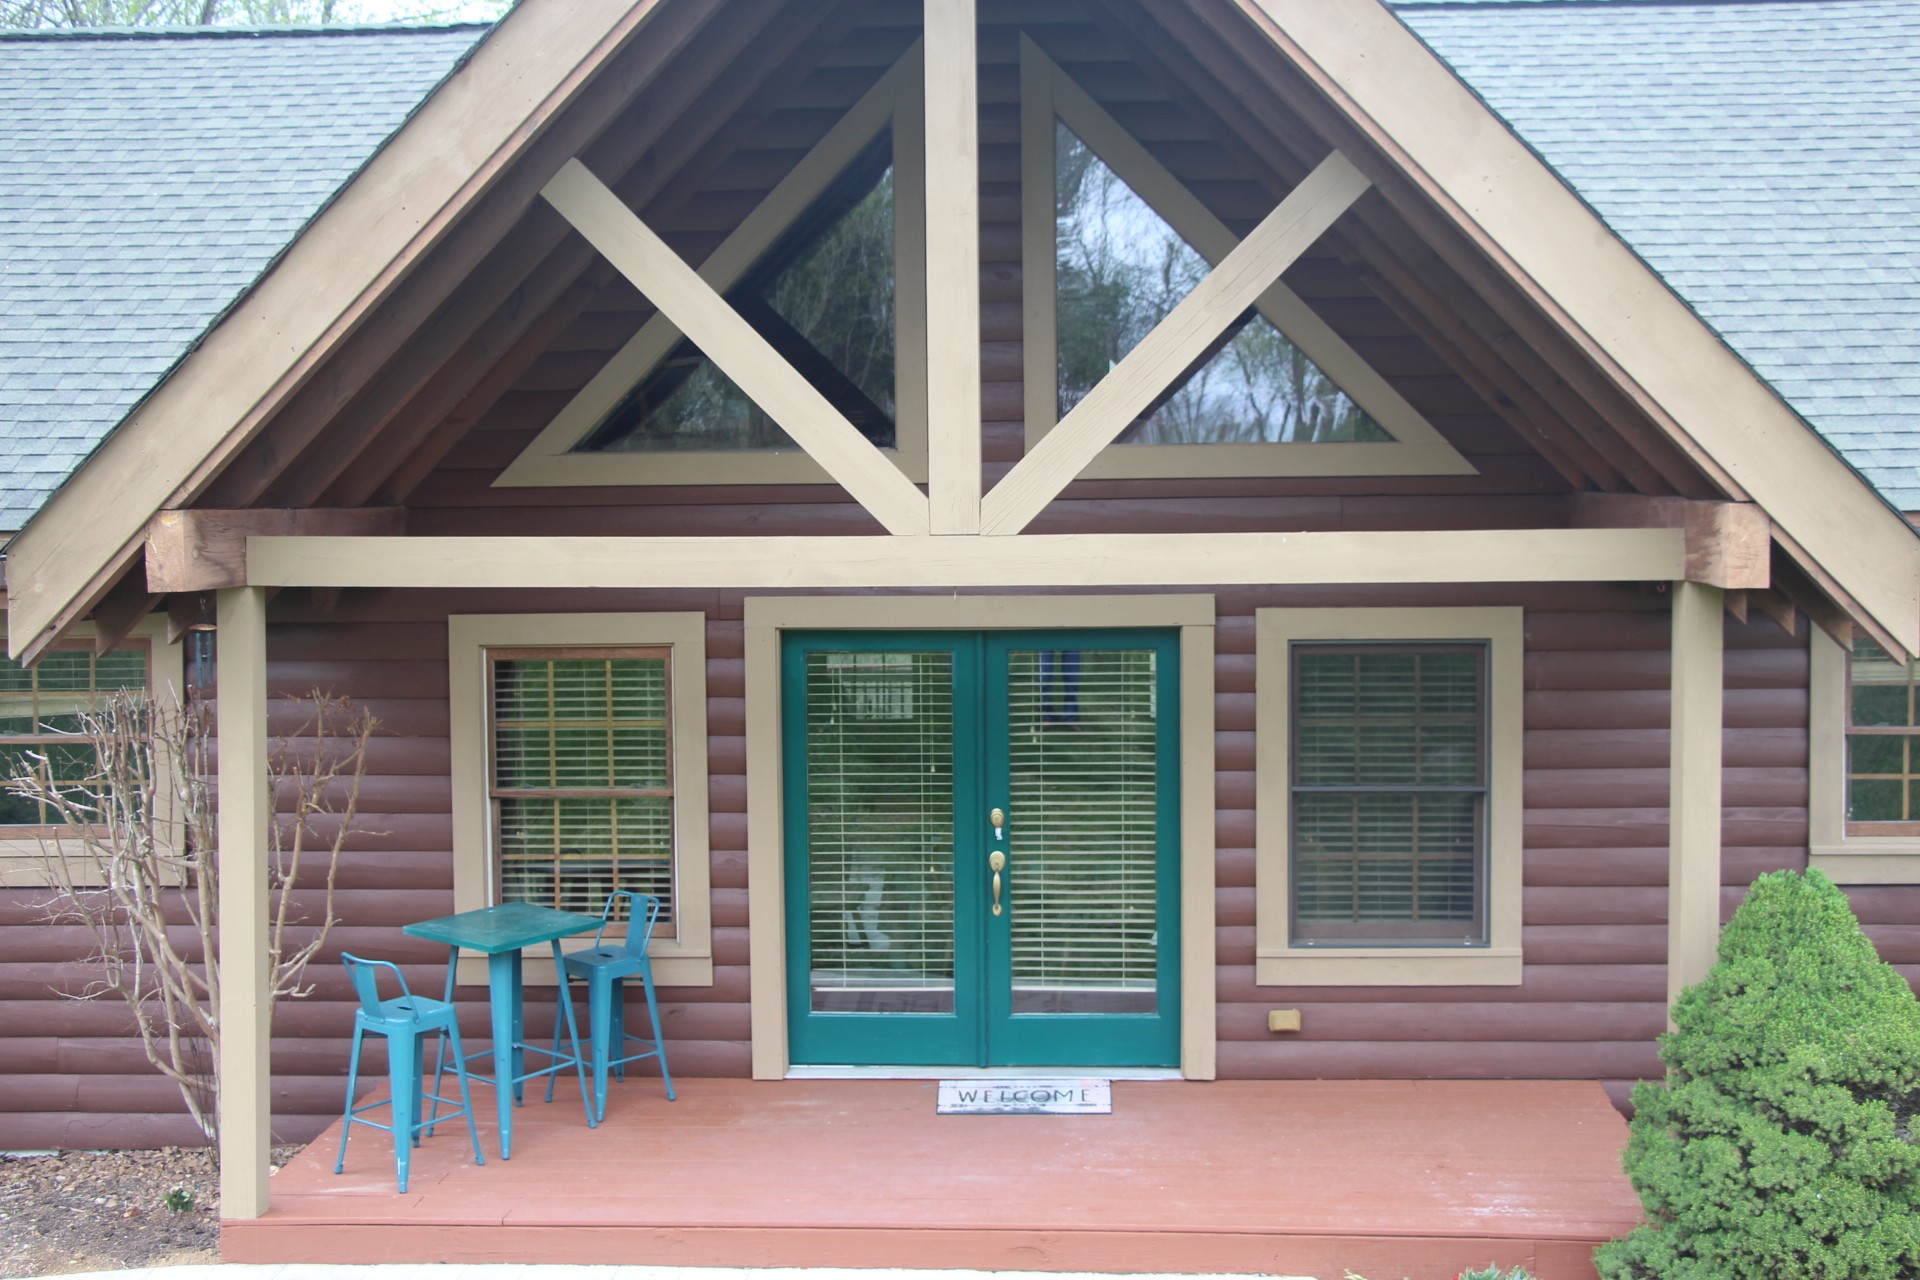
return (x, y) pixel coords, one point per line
(366, 982)
(643, 911)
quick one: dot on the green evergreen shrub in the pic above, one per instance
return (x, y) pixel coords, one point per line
(1781, 1144)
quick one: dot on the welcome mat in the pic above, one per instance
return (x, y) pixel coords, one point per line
(1041, 1097)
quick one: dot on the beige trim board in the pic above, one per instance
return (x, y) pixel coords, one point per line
(1047, 92)
(684, 960)
(895, 101)
(1694, 771)
(951, 212)
(1609, 302)
(330, 279)
(1030, 560)
(768, 616)
(246, 996)
(23, 858)
(1278, 960)
(1844, 859)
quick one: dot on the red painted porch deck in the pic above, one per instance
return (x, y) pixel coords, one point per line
(1388, 1178)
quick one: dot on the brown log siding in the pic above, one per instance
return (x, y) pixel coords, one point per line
(1595, 899)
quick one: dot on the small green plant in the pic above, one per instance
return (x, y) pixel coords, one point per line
(1492, 1272)
(179, 1199)
(1780, 1146)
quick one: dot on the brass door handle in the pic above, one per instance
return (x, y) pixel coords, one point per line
(997, 861)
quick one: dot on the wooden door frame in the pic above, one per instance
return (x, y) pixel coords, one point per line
(766, 617)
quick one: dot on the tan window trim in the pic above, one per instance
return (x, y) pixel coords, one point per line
(1046, 91)
(686, 957)
(1279, 960)
(1837, 848)
(897, 100)
(22, 853)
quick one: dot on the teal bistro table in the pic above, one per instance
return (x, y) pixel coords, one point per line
(499, 933)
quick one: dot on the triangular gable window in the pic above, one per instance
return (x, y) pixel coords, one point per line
(1115, 242)
(1120, 268)
(828, 269)
(823, 296)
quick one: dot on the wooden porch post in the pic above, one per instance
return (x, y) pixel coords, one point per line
(245, 1001)
(1693, 833)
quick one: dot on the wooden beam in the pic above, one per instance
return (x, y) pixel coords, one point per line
(1694, 747)
(1729, 544)
(737, 349)
(244, 999)
(1173, 345)
(952, 296)
(1033, 560)
(192, 551)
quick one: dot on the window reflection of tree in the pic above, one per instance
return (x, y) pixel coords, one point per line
(1119, 270)
(822, 296)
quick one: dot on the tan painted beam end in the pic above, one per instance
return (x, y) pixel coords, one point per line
(1728, 543)
(207, 550)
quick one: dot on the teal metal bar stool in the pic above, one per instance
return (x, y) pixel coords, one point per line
(605, 966)
(405, 1021)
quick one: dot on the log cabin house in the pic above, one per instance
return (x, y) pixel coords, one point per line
(1387, 516)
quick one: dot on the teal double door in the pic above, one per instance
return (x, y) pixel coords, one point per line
(981, 842)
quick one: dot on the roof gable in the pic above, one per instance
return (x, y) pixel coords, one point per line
(151, 178)
(1357, 78)
(1763, 157)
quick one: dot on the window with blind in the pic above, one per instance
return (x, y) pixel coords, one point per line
(1883, 743)
(1387, 824)
(581, 779)
(1389, 793)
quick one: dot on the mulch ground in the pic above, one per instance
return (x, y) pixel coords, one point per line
(107, 1210)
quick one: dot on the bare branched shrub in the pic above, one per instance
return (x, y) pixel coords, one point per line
(136, 863)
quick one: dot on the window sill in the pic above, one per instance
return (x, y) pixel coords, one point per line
(1869, 860)
(1389, 967)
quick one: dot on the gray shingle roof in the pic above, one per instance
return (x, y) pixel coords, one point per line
(1762, 155)
(146, 180)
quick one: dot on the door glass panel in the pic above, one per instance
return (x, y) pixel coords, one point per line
(1082, 836)
(880, 831)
